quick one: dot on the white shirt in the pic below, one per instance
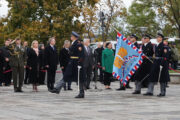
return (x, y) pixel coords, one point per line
(73, 42)
(52, 46)
(86, 48)
(145, 44)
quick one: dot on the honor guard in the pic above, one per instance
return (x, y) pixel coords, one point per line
(74, 70)
(159, 71)
(144, 71)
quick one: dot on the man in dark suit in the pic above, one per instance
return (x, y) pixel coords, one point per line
(64, 57)
(8, 73)
(88, 63)
(51, 62)
(159, 71)
(98, 57)
(75, 62)
(145, 68)
(2, 60)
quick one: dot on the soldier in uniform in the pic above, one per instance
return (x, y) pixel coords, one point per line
(144, 70)
(17, 63)
(8, 74)
(76, 59)
(159, 71)
(1, 66)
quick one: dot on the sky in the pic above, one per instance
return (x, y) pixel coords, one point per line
(4, 7)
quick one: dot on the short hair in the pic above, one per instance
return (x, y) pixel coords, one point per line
(66, 42)
(85, 40)
(17, 38)
(51, 38)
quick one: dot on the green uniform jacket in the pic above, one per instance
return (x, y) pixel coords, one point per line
(18, 56)
(108, 60)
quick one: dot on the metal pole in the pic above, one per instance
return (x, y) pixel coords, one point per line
(79, 67)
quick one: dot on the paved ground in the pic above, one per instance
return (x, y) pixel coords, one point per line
(98, 105)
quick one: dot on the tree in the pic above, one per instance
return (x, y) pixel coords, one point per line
(114, 11)
(40, 19)
(90, 19)
(141, 15)
(168, 13)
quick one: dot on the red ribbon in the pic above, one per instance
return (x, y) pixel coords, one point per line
(7, 71)
(174, 70)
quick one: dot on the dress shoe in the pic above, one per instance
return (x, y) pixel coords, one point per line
(108, 88)
(55, 91)
(148, 94)
(80, 96)
(20, 90)
(88, 88)
(161, 95)
(70, 89)
(128, 87)
(136, 92)
(121, 88)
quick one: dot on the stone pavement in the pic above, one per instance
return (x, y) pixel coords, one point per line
(98, 104)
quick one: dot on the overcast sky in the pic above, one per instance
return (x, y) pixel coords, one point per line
(4, 8)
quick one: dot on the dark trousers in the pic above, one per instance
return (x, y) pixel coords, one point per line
(87, 76)
(174, 64)
(18, 77)
(51, 78)
(7, 78)
(101, 75)
(26, 79)
(1, 76)
(107, 78)
(42, 77)
(66, 76)
(67, 84)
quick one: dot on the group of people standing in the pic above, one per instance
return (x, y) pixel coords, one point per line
(18, 59)
(77, 62)
(155, 66)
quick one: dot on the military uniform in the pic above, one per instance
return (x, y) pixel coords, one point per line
(1, 66)
(71, 72)
(161, 54)
(17, 63)
(145, 67)
(8, 74)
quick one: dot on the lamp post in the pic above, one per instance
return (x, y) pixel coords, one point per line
(102, 18)
(143, 30)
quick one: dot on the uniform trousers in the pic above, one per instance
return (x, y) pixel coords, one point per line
(162, 88)
(18, 76)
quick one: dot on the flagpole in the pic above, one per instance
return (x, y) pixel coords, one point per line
(115, 29)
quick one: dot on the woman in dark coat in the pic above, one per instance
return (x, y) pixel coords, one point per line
(33, 64)
(42, 70)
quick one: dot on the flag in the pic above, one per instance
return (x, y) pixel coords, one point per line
(127, 60)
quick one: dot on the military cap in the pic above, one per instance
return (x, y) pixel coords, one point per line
(75, 34)
(147, 36)
(160, 35)
(134, 36)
